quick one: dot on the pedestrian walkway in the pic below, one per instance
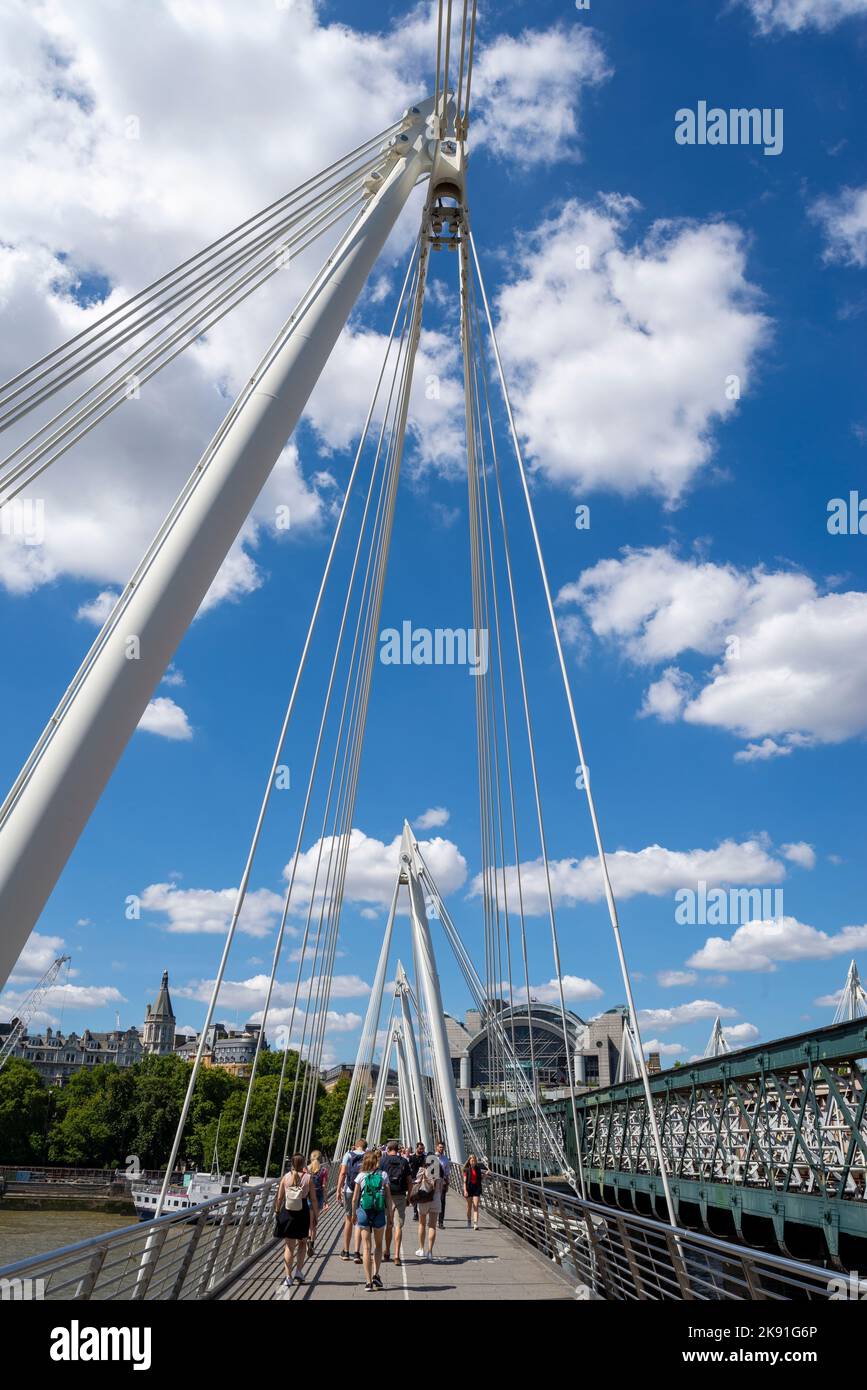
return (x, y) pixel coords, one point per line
(490, 1264)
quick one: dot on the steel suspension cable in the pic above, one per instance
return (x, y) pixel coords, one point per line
(254, 844)
(101, 399)
(479, 372)
(343, 815)
(603, 865)
(326, 705)
(404, 301)
(67, 349)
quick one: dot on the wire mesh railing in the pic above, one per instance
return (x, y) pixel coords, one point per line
(618, 1256)
(188, 1256)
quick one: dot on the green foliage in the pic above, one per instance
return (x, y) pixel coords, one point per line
(23, 1113)
(391, 1123)
(330, 1115)
(106, 1113)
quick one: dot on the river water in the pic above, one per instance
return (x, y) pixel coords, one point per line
(25, 1233)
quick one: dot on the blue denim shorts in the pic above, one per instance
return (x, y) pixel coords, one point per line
(370, 1220)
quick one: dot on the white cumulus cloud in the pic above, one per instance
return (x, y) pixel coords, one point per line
(843, 219)
(653, 870)
(800, 853)
(165, 718)
(372, 868)
(619, 370)
(761, 944)
(789, 664)
(792, 16)
(191, 910)
(693, 1012)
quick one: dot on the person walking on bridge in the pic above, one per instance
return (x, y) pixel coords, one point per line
(427, 1194)
(396, 1167)
(415, 1162)
(371, 1207)
(350, 1167)
(292, 1211)
(472, 1190)
(445, 1165)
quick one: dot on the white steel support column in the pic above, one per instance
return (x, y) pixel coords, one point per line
(367, 1042)
(49, 804)
(403, 1091)
(429, 992)
(377, 1110)
(420, 1107)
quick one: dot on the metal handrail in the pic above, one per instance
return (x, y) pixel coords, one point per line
(601, 1251)
(612, 1254)
(185, 1255)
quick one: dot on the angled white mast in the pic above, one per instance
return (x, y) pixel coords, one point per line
(627, 1065)
(853, 1000)
(717, 1046)
(54, 795)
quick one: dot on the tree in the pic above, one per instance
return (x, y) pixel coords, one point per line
(93, 1126)
(161, 1084)
(391, 1123)
(329, 1116)
(23, 1113)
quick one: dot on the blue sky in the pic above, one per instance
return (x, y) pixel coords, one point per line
(708, 515)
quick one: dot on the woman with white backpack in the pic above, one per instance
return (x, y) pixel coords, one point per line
(292, 1217)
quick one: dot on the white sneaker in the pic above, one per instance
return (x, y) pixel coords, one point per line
(420, 1254)
(430, 1256)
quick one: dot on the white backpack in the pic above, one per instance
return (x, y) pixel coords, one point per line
(293, 1197)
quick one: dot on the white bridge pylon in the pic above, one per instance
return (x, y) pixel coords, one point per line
(420, 1105)
(56, 791)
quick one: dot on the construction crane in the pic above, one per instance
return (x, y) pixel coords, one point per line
(29, 1008)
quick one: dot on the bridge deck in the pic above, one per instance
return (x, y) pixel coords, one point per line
(490, 1263)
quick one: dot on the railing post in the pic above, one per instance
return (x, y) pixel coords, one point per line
(208, 1271)
(242, 1226)
(599, 1258)
(677, 1261)
(630, 1255)
(94, 1265)
(546, 1219)
(198, 1226)
(567, 1227)
(149, 1260)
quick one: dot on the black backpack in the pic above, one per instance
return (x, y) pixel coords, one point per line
(397, 1169)
(353, 1167)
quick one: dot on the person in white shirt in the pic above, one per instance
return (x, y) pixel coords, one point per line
(371, 1208)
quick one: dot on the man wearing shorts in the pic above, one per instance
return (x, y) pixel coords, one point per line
(396, 1169)
(350, 1167)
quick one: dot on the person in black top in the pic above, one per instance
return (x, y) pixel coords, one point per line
(473, 1174)
(399, 1178)
(416, 1161)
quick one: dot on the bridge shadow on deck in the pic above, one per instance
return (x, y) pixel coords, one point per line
(488, 1264)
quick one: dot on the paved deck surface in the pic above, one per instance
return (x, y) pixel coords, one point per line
(490, 1264)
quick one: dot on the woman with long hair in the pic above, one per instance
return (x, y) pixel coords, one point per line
(371, 1207)
(472, 1190)
(318, 1183)
(292, 1208)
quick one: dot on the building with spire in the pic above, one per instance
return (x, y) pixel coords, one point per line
(158, 1036)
